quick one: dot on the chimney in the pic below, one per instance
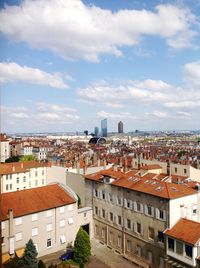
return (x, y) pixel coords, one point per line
(22, 165)
(11, 231)
(125, 164)
(104, 164)
(182, 211)
(13, 168)
(98, 162)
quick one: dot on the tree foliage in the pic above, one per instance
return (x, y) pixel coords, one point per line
(82, 247)
(29, 258)
(27, 158)
(12, 159)
(41, 264)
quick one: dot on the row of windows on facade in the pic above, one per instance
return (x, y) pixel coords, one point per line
(10, 186)
(129, 247)
(9, 176)
(136, 226)
(135, 205)
(179, 247)
(34, 217)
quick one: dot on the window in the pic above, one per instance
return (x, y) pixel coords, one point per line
(49, 227)
(6, 177)
(3, 225)
(70, 220)
(96, 193)
(10, 186)
(119, 200)
(185, 170)
(48, 242)
(10, 176)
(160, 237)
(150, 256)
(129, 245)
(103, 195)
(110, 237)
(179, 247)
(194, 209)
(128, 204)
(36, 173)
(42, 181)
(36, 183)
(119, 241)
(63, 239)
(103, 232)
(18, 221)
(110, 197)
(49, 213)
(111, 216)
(119, 220)
(17, 180)
(188, 251)
(103, 213)
(138, 206)
(138, 251)
(62, 223)
(34, 231)
(42, 172)
(175, 169)
(18, 236)
(7, 187)
(29, 184)
(96, 210)
(151, 233)
(24, 179)
(171, 244)
(96, 230)
(70, 207)
(128, 223)
(149, 210)
(34, 217)
(2, 240)
(62, 209)
(161, 214)
(138, 228)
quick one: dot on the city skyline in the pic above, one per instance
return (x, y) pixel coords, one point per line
(66, 65)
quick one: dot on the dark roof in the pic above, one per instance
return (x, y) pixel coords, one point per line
(97, 140)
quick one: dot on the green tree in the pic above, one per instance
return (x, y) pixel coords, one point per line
(82, 247)
(27, 158)
(29, 258)
(12, 159)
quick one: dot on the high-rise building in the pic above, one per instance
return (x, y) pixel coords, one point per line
(96, 131)
(120, 127)
(104, 130)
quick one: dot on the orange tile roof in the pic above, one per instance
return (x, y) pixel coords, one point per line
(151, 167)
(149, 186)
(34, 200)
(185, 230)
(18, 167)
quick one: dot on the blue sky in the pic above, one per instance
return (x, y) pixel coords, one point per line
(67, 64)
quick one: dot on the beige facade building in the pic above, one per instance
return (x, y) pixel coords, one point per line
(131, 213)
(22, 175)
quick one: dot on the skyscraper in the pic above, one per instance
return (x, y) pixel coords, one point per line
(120, 127)
(104, 130)
(96, 131)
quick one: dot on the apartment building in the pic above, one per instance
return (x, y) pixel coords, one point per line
(4, 148)
(22, 175)
(182, 244)
(131, 213)
(26, 150)
(48, 214)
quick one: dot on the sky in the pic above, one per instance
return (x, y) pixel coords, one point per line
(67, 64)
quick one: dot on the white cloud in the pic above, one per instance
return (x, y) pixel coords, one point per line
(19, 115)
(124, 115)
(192, 74)
(183, 114)
(11, 71)
(158, 114)
(43, 106)
(74, 30)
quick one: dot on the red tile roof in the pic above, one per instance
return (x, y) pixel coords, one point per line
(149, 186)
(18, 167)
(34, 200)
(185, 230)
(151, 167)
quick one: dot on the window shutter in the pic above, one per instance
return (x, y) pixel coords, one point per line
(152, 211)
(125, 202)
(142, 229)
(146, 210)
(134, 205)
(164, 215)
(141, 208)
(157, 213)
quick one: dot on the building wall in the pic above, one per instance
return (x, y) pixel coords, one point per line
(35, 177)
(64, 220)
(4, 151)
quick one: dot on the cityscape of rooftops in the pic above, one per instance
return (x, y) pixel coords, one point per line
(99, 133)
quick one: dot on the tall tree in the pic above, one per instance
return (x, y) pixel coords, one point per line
(27, 158)
(29, 258)
(82, 247)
